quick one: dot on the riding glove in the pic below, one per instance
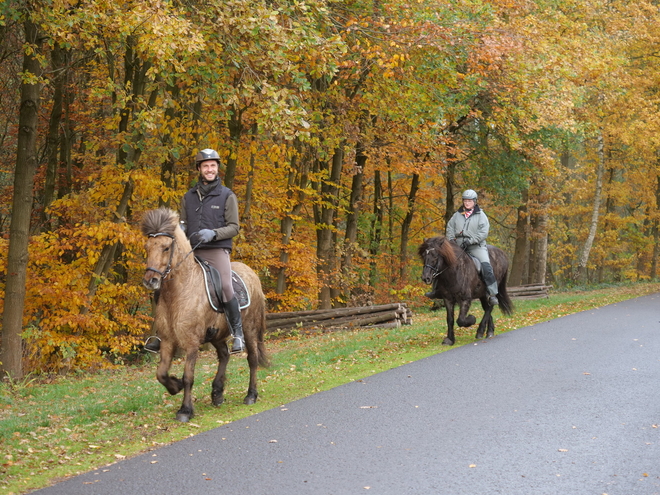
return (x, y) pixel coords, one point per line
(205, 235)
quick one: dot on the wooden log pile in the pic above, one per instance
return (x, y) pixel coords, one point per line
(529, 291)
(323, 320)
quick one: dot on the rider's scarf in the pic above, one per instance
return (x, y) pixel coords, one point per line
(206, 187)
(468, 213)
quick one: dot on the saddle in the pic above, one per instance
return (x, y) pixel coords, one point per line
(476, 262)
(213, 286)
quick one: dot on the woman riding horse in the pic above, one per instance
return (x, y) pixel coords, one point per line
(469, 227)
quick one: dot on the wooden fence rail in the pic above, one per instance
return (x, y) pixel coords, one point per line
(530, 291)
(384, 315)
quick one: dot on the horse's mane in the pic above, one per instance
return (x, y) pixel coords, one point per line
(444, 247)
(160, 221)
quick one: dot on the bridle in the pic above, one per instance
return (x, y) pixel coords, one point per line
(169, 268)
(434, 269)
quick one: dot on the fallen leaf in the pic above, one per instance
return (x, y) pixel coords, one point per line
(473, 465)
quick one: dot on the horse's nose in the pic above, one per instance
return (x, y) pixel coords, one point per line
(152, 283)
(426, 277)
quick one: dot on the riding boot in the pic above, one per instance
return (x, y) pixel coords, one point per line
(233, 314)
(434, 293)
(152, 344)
(491, 283)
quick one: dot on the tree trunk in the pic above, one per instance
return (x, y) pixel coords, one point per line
(540, 259)
(656, 234)
(449, 186)
(521, 250)
(593, 226)
(390, 222)
(11, 356)
(167, 174)
(405, 227)
(297, 182)
(245, 218)
(325, 249)
(235, 132)
(107, 255)
(135, 78)
(353, 212)
(58, 57)
(375, 232)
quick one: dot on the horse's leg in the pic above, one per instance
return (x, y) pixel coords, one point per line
(253, 363)
(490, 333)
(487, 321)
(464, 319)
(172, 383)
(449, 339)
(186, 411)
(218, 386)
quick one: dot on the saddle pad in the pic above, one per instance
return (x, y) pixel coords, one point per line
(213, 287)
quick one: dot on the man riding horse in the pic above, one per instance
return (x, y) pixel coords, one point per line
(209, 216)
(469, 227)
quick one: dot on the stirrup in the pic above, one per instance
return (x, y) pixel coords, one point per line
(152, 347)
(238, 346)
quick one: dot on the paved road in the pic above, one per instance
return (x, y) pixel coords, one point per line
(568, 407)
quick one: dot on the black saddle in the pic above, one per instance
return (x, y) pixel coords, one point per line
(213, 286)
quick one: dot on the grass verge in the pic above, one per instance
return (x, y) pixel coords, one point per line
(54, 428)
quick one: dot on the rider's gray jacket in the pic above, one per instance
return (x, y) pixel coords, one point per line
(468, 231)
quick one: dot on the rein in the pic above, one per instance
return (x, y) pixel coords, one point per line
(169, 268)
(434, 269)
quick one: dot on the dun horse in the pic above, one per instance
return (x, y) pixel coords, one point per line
(184, 318)
(454, 274)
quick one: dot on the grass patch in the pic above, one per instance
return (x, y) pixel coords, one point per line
(59, 427)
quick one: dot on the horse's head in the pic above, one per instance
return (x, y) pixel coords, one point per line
(160, 251)
(161, 228)
(438, 254)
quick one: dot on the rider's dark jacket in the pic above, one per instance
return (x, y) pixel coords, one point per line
(217, 210)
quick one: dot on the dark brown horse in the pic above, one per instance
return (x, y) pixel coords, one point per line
(455, 277)
(184, 318)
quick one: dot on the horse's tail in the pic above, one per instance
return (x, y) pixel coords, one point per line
(506, 305)
(262, 354)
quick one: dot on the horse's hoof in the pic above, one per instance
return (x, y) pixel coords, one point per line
(184, 418)
(249, 400)
(184, 414)
(447, 342)
(217, 400)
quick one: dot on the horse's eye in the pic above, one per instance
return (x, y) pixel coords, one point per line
(166, 249)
